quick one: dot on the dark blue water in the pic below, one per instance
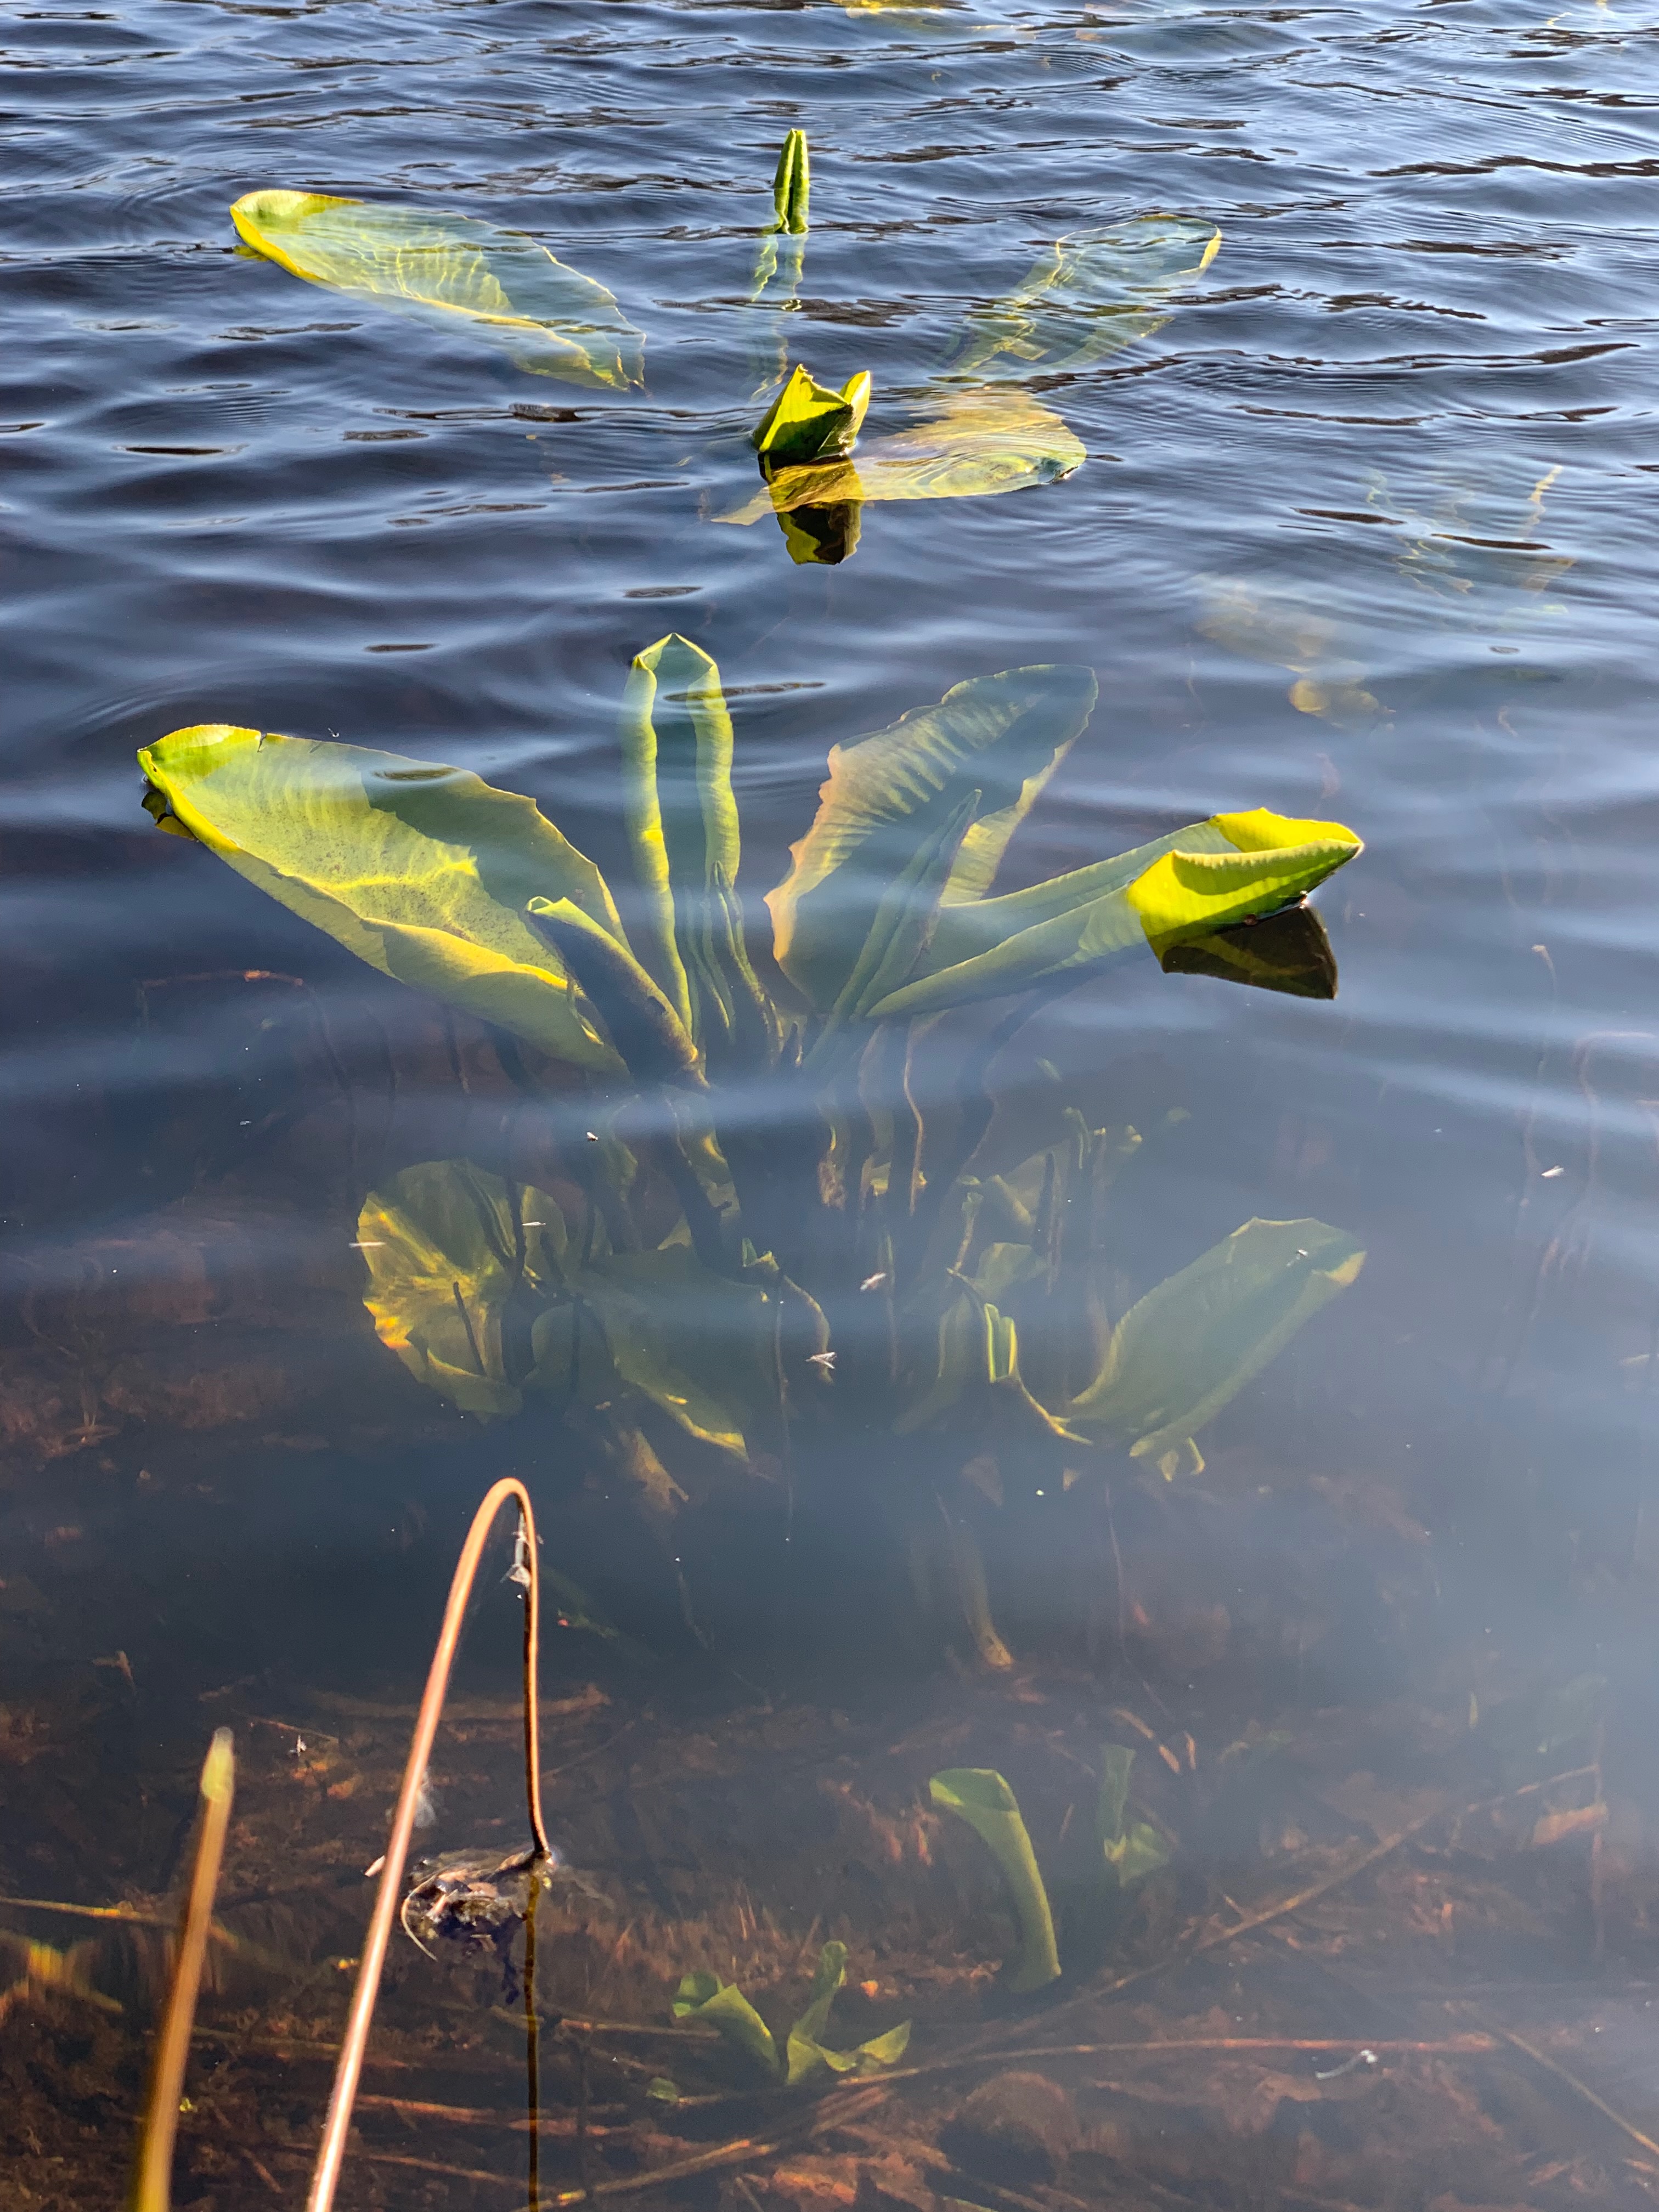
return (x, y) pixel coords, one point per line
(1365, 532)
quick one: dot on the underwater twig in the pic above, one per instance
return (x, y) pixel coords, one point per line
(152, 2178)
(1582, 2088)
(331, 2151)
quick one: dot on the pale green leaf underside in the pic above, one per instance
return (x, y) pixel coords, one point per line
(1177, 1357)
(558, 322)
(424, 871)
(982, 443)
(1089, 296)
(886, 794)
(981, 1797)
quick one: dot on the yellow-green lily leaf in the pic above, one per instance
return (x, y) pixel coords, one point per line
(1187, 885)
(446, 1250)
(984, 442)
(651, 1041)
(811, 422)
(702, 1345)
(703, 1996)
(423, 872)
(980, 1795)
(682, 833)
(792, 185)
(1178, 1355)
(887, 794)
(557, 322)
(1089, 296)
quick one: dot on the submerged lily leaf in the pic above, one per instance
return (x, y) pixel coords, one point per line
(990, 1808)
(887, 794)
(1187, 885)
(447, 1250)
(423, 872)
(557, 322)
(806, 2052)
(812, 422)
(1287, 951)
(683, 832)
(1130, 1850)
(1089, 296)
(1184, 1350)
(985, 442)
(703, 1996)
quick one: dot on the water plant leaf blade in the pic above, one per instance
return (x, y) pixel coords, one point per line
(1195, 882)
(724, 2006)
(1117, 1765)
(424, 871)
(700, 1346)
(446, 1249)
(980, 1797)
(1087, 296)
(557, 322)
(810, 422)
(1184, 1350)
(804, 2054)
(651, 1040)
(1289, 951)
(792, 184)
(981, 443)
(888, 794)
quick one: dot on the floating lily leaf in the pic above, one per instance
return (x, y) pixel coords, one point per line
(676, 737)
(984, 442)
(447, 1248)
(1001, 736)
(811, 422)
(703, 1996)
(423, 872)
(990, 1808)
(1089, 296)
(557, 322)
(1198, 880)
(1287, 951)
(1178, 1355)
(1130, 1850)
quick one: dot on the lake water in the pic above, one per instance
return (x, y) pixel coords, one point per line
(1365, 532)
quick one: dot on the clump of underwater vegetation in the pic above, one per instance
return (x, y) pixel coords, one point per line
(750, 1255)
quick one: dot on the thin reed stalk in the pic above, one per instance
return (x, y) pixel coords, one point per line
(152, 2174)
(526, 1571)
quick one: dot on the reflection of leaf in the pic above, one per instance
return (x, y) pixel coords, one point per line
(1089, 295)
(1195, 881)
(990, 1808)
(887, 794)
(558, 322)
(1287, 951)
(442, 1243)
(983, 442)
(423, 872)
(811, 422)
(1178, 1355)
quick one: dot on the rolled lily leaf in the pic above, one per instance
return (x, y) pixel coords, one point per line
(423, 872)
(1002, 736)
(676, 737)
(1089, 295)
(811, 422)
(792, 185)
(447, 1248)
(556, 322)
(1188, 885)
(704, 1997)
(983, 1799)
(984, 442)
(1178, 1355)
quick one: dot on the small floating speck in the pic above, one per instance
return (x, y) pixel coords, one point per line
(1550, 1174)
(366, 1243)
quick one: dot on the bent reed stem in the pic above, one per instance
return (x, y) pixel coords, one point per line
(152, 2177)
(330, 2152)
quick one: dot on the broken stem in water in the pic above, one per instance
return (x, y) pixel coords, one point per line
(526, 1572)
(152, 2177)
